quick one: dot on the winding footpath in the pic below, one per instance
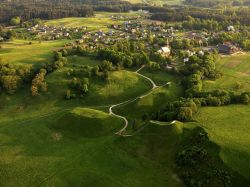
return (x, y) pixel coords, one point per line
(154, 86)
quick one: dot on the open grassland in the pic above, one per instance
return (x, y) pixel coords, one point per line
(122, 85)
(100, 21)
(78, 147)
(21, 52)
(229, 128)
(236, 74)
(49, 141)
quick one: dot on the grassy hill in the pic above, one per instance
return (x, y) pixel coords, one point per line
(79, 147)
(228, 127)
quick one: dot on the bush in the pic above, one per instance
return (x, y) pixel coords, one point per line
(191, 156)
(185, 114)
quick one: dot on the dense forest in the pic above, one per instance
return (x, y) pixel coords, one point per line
(217, 3)
(241, 15)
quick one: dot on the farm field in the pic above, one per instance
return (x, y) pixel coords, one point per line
(228, 127)
(236, 71)
(21, 52)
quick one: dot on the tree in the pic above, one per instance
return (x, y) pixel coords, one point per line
(15, 21)
(106, 65)
(10, 83)
(185, 114)
(38, 83)
(68, 94)
(244, 98)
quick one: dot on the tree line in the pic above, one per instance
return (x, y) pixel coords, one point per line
(44, 10)
(236, 15)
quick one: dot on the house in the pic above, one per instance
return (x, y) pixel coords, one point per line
(227, 48)
(80, 41)
(230, 28)
(165, 51)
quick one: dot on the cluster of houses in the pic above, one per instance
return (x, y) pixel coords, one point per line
(55, 32)
(132, 29)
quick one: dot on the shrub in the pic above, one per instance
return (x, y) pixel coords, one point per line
(185, 114)
(191, 156)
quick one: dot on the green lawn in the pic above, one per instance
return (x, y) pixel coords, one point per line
(235, 69)
(229, 128)
(21, 52)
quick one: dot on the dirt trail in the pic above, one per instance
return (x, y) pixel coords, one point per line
(154, 86)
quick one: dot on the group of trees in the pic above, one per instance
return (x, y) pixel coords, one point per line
(181, 110)
(242, 38)
(79, 86)
(123, 59)
(198, 68)
(38, 83)
(209, 24)
(195, 71)
(198, 167)
(217, 3)
(220, 98)
(7, 34)
(12, 77)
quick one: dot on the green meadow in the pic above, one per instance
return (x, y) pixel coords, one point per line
(229, 128)
(49, 141)
(236, 71)
(21, 52)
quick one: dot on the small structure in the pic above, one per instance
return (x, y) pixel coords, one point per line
(165, 51)
(227, 48)
(230, 28)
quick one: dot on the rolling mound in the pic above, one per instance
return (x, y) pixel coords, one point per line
(84, 122)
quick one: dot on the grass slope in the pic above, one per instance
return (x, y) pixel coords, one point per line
(153, 100)
(228, 127)
(78, 147)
